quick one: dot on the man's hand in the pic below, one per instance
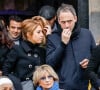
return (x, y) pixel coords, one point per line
(66, 34)
(48, 29)
(84, 63)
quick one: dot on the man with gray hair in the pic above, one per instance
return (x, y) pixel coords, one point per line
(69, 50)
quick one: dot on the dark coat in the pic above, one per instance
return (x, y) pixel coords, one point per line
(93, 69)
(66, 58)
(3, 54)
(23, 59)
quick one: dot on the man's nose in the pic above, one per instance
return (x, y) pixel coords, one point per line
(67, 25)
(16, 29)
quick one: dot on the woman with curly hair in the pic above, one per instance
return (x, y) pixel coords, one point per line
(25, 57)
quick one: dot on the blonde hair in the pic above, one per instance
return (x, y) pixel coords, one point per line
(39, 72)
(29, 25)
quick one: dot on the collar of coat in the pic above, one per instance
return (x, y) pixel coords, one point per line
(28, 46)
(75, 33)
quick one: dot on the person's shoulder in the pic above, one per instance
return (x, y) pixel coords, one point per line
(98, 47)
(85, 30)
(96, 50)
(55, 36)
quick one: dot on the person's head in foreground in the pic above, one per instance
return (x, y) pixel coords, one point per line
(45, 78)
(6, 83)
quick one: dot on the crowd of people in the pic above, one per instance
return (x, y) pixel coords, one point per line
(49, 51)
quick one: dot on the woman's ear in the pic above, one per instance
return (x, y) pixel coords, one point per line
(28, 35)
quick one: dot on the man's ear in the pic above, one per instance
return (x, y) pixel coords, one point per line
(58, 20)
(75, 18)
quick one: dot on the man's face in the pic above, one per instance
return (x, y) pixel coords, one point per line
(67, 20)
(14, 29)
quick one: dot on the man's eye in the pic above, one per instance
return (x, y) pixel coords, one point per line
(63, 22)
(69, 21)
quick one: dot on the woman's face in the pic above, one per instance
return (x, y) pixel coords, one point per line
(46, 81)
(37, 36)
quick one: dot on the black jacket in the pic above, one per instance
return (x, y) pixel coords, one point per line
(65, 59)
(23, 59)
(93, 69)
(3, 54)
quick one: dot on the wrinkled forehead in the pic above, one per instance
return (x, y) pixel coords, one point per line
(66, 16)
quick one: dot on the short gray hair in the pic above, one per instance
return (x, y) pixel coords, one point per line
(66, 8)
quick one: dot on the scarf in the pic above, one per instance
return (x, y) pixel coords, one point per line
(54, 87)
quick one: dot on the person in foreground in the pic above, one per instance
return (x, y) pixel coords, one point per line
(69, 50)
(45, 78)
(23, 58)
(6, 83)
(93, 69)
